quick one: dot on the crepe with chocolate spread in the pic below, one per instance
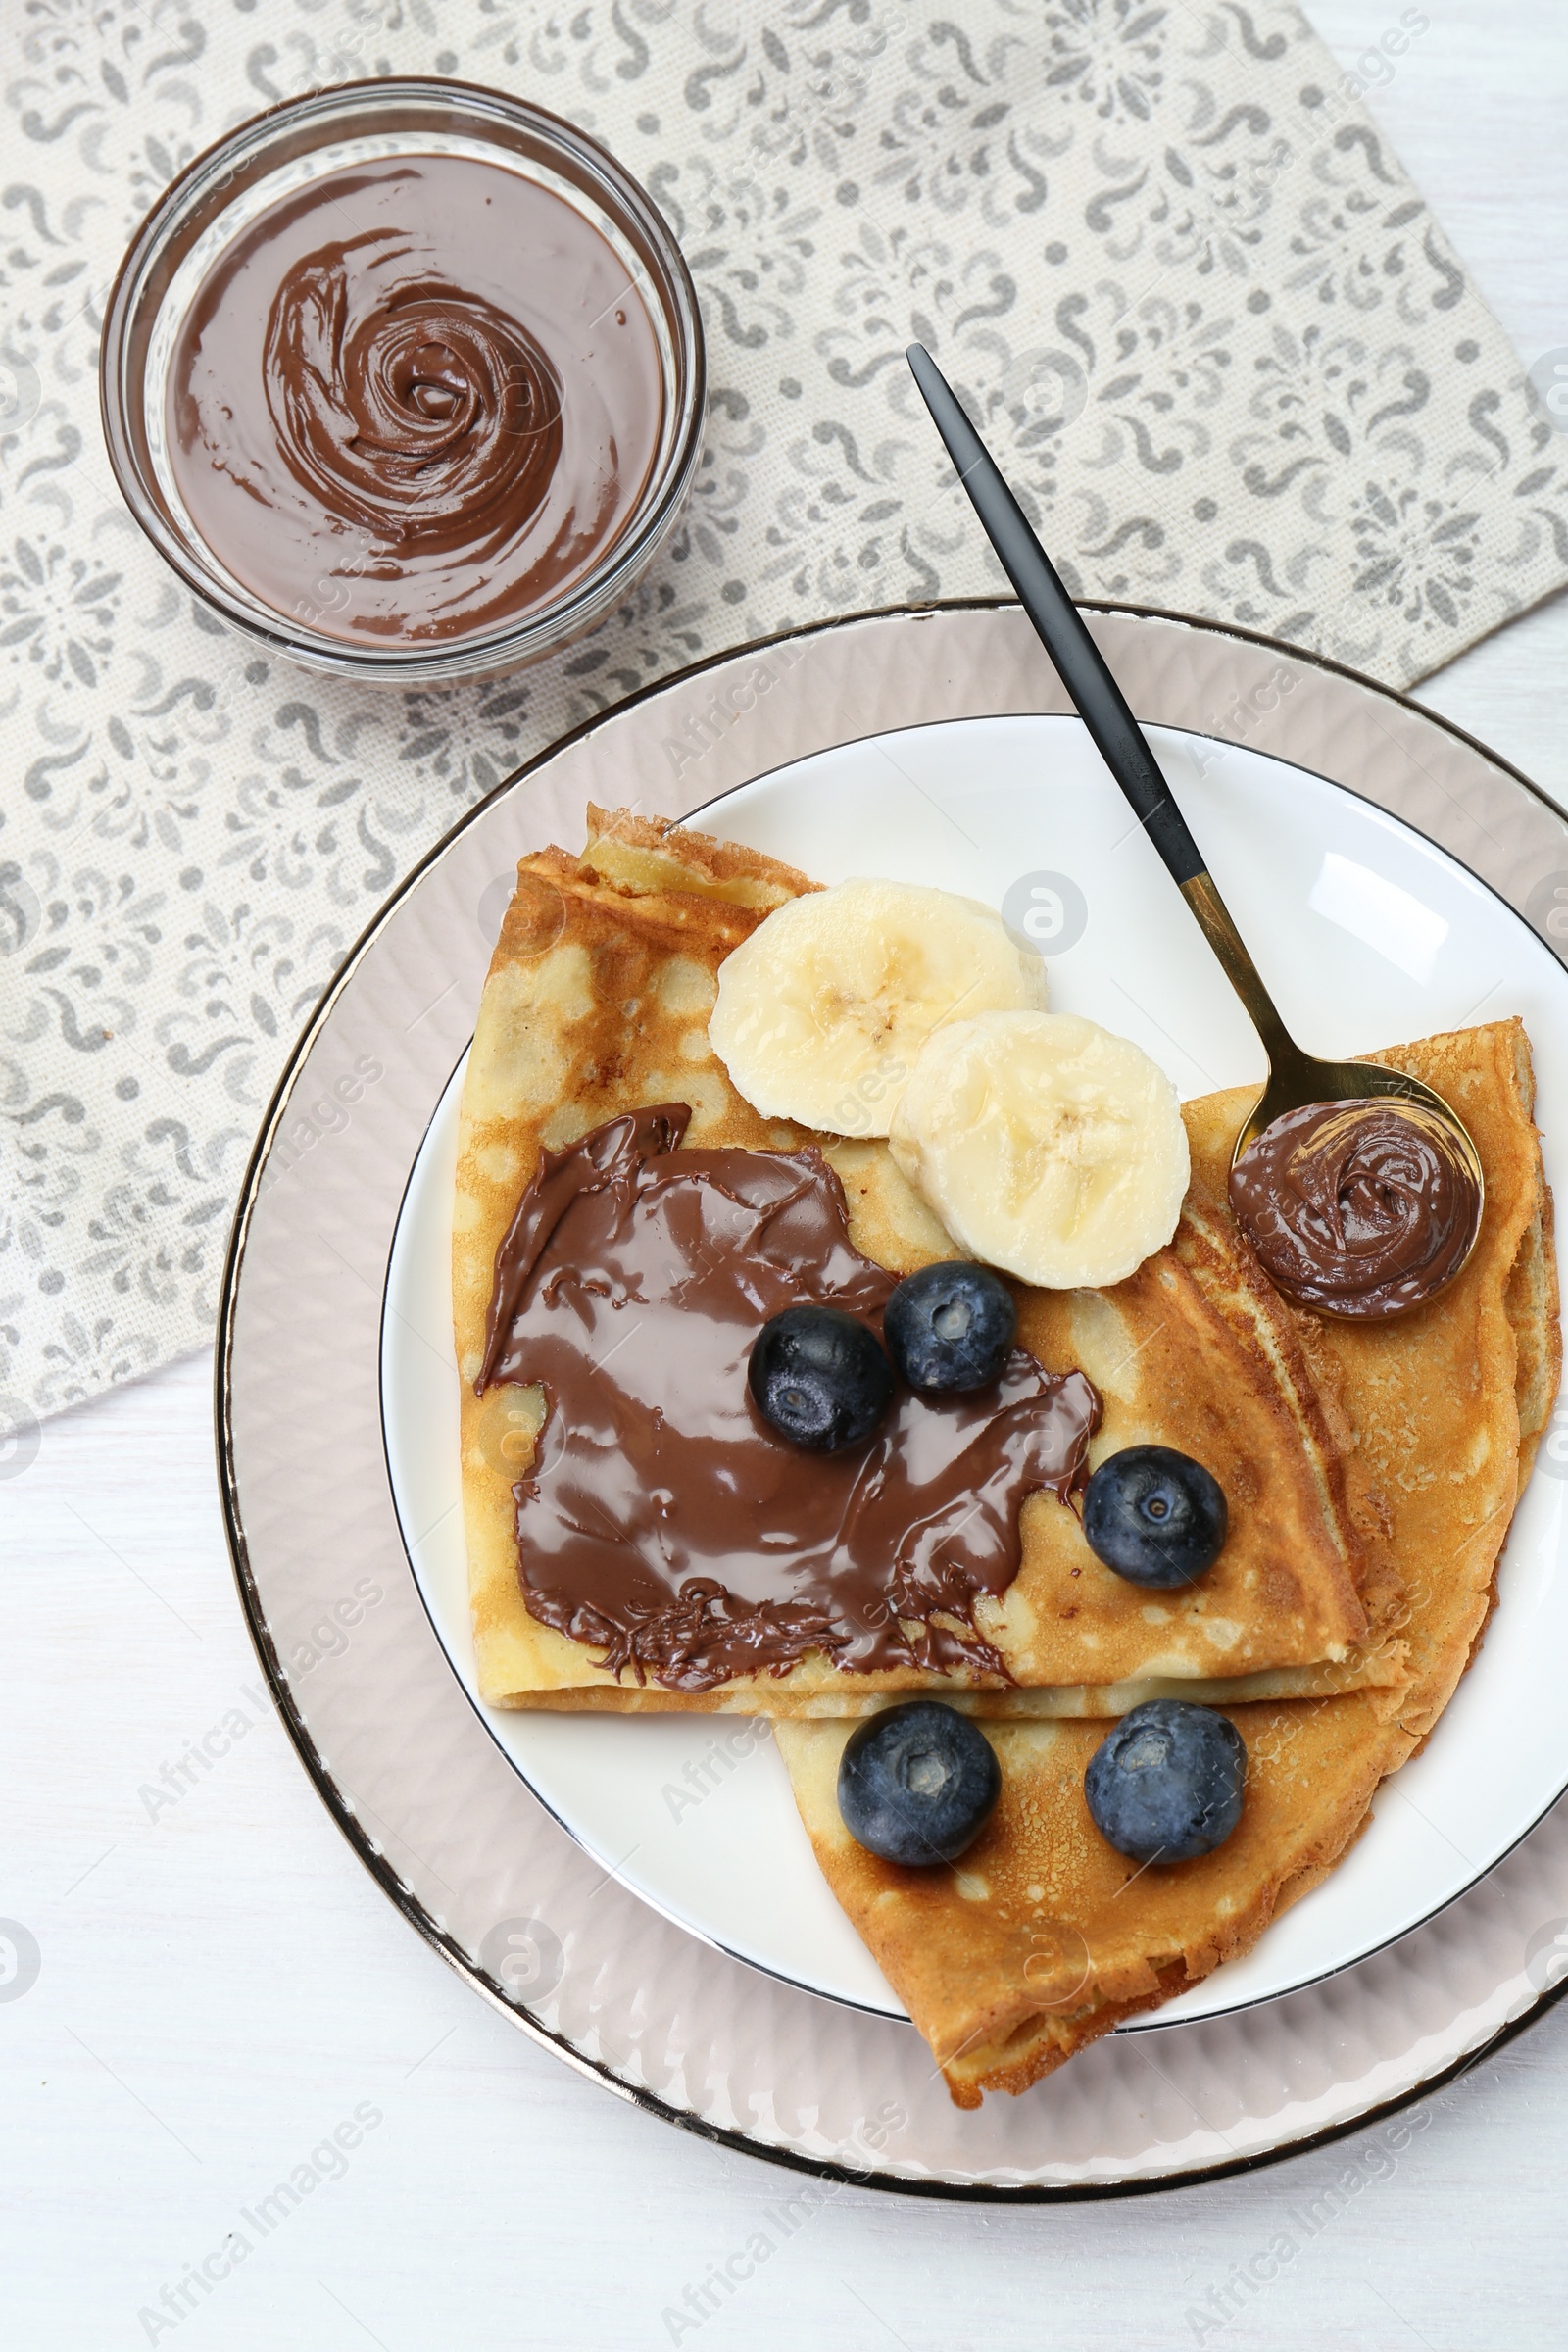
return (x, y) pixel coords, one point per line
(1037, 1941)
(608, 1569)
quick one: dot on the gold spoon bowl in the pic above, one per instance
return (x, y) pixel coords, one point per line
(1295, 1077)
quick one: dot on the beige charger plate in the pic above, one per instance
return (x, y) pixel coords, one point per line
(402, 1762)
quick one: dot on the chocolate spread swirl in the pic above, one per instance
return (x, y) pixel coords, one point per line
(1361, 1208)
(414, 399)
(420, 412)
(663, 1521)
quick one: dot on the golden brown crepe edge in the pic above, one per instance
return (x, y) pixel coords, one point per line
(653, 855)
(1379, 1674)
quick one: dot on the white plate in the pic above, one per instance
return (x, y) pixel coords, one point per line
(1368, 935)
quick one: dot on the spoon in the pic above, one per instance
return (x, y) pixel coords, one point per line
(1295, 1078)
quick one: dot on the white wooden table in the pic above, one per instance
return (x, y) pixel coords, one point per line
(221, 1989)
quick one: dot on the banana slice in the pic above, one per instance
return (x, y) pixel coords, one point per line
(1046, 1145)
(823, 1010)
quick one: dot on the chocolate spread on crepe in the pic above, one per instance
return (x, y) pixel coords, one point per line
(664, 1521)
(414, 399)
(1363, 1208)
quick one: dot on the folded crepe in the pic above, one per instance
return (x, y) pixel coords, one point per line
(596, 1004)
(1042, 1937)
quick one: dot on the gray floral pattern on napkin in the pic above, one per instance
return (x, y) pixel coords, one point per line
(1213, 332)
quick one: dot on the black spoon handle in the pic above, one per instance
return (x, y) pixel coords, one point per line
(1100, 700)
(1078, 659)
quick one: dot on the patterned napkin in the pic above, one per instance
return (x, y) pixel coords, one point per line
(1210, 329)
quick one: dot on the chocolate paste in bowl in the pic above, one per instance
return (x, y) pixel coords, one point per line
(414, 399)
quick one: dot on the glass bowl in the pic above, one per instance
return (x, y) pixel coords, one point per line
(217, 198)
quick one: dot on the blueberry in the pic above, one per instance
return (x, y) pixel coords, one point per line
(1166, 1783)
(950, 1325)
(917, 1783)
(1155, 1515)
(820, 1378)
